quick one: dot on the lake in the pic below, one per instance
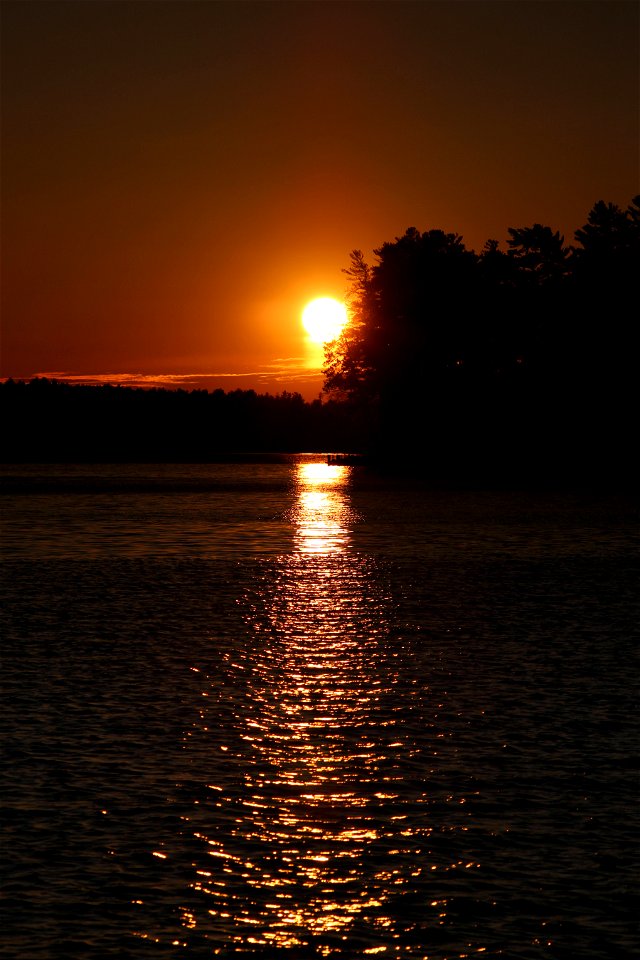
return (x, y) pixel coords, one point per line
(286, 709)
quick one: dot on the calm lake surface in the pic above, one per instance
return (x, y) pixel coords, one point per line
(292, 710)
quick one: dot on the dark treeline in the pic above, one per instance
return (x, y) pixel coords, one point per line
(505, 366)
(49, 421)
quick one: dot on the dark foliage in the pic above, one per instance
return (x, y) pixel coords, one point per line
(49, 421)
(499, 364)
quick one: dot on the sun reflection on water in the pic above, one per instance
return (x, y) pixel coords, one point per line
(311, 832)
(322, 514)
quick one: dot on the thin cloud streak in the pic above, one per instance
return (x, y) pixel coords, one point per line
(293, 371)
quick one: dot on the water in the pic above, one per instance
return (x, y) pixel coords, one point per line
(292, 710)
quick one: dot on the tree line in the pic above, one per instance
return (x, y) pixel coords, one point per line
(499, 366)
(50, 420)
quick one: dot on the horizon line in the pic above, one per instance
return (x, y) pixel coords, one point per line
(278, 374)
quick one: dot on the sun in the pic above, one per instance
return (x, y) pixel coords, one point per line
(323, 319)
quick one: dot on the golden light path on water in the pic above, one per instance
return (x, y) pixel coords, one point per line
(312, 833)
(286, 710)
(322, 514)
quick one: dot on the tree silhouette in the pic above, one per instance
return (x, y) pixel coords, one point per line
(609, 253)
(608, 229)
(405, 313)
(540, 254)
(514, 356)
(409, 319)
(350, 360)
(606, 270)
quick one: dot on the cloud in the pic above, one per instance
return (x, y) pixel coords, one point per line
(283, 370)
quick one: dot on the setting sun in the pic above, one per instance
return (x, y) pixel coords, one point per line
(323, 319)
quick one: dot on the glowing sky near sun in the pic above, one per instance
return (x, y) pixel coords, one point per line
(180, 179)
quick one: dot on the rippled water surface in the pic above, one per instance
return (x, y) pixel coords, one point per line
(292, 710)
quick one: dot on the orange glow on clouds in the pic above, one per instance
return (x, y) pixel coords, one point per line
(293, 374)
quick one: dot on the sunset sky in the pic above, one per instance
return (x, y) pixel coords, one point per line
(180, 178)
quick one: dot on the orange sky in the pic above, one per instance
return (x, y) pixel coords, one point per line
(180, 178)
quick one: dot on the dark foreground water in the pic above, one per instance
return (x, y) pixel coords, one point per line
(288, 710)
